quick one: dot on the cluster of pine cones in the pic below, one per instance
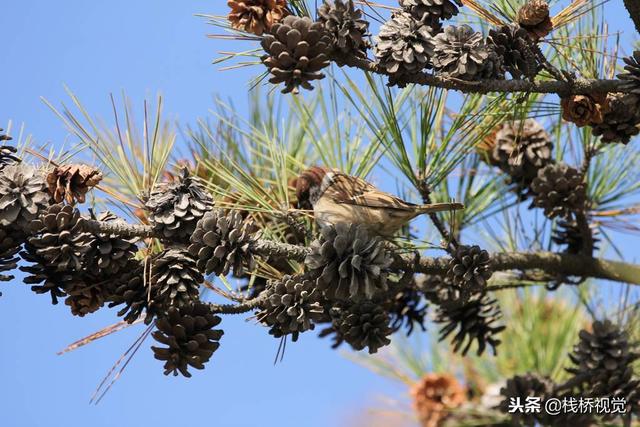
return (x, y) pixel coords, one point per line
(414, 40)
(602, 365)
(410, 42)
(41, 223)
(523, 151)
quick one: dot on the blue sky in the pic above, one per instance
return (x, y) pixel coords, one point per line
(144, 47)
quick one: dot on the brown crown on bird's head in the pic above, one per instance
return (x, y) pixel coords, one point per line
(308, 186)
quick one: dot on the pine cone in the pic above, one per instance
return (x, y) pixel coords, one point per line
(582, 110)
(71, 183)
(432, 11)
(109, 254)
(133, 291)
(520, 150)
(439, 289)
(403, 45)
(407, 309)
(621, 121)
(59, 238)
(461, 53)
(559, 190)
(362, 325)
(603, 361)
(256, 16)
(7, 152)
(534, 17)
(291, 305)
(570, 234)
(469, 269)
(44, 277)
(176, 207)
(189, 336)
(9, 247)
(84, 298)
(175, 281)
(523, 386)
(474, 320)
(631, 76)
(222, 242)
(348, 263)
(24, 196)
(296, 50)
(346, 26)
(434, 396)
(518, 52)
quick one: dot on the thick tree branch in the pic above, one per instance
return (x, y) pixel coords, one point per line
(578, 86)
(633, 7)
(550, 263)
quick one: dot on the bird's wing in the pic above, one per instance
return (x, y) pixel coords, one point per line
(351, 190)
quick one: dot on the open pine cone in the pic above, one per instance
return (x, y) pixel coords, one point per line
(431, 11)
(59, 238)
(622, 119)
(435, 396)
(462, 53)
(524, 386)
(175, 281)
(603, 360)
(407, 309)
(470, 269)
(189, 337)
(559, 190)
(292, 305)
(71, 183)
(583, 109)
(24, 196)
(403, 45)
(473, 320)
(256, 16)
(222, 243)
(44, 277)
(362, 325)
(348, 263)
(518, 52)
(297, 49)
(346, 26)
(176, 207)
(534, 17)
(109, 254)
(520, 149)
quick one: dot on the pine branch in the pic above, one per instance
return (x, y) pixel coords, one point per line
(563, 88)
(633, 7)
(551, 263)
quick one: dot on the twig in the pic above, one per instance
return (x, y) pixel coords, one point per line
(563, 88)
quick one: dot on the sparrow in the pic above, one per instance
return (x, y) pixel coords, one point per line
(337, 197)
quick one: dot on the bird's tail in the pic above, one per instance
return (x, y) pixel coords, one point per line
(440, 207)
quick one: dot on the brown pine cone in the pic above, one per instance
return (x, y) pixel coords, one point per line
(583, 110)
(534, 17)
(72, 182)
(256, 16)
(434, 396)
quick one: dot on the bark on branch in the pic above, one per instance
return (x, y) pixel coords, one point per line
(578, 86)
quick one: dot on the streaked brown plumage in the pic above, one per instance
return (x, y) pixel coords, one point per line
(337, 197)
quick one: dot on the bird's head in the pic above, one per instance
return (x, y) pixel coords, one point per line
(309, 185)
